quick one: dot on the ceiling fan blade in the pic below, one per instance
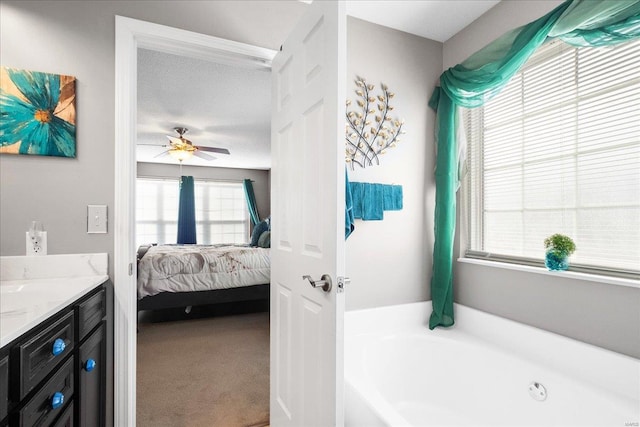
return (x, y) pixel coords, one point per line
(164, 153)
(205, 156)
(214, 150)
(174, 140)
(155, 145)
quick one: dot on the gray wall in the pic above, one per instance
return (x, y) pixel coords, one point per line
(78, 38)
(505, 16)
(389, 261)
(602, 314)
(260, 178)
(80, 41)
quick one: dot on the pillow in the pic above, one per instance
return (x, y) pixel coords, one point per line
(265, 240)
(257, 232)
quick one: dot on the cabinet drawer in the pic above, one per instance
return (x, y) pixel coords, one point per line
(4, 386)
(39, 411)
(41, 354)
(66, 419)
(90, 313)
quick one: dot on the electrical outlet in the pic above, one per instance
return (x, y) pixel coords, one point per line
(37, 244)
(96, 219)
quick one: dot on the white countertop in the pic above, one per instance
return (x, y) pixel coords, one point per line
(26, 303)
(33, 288)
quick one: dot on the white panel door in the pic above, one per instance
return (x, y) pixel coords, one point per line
(308, 171)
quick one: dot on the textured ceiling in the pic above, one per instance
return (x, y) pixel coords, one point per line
(229, 106)
(221, 105)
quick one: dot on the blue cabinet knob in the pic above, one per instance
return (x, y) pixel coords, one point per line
(89, 365)
(57, 400)
(58, 346)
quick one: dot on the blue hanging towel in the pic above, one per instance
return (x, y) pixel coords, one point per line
(372, 202)
(349, 219)
(392, 195)
(357, 191)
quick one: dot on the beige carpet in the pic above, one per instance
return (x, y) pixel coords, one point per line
(204, 372)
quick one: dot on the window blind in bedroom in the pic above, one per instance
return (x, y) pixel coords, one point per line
(221, 211)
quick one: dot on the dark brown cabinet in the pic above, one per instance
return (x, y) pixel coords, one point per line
(91, 374)
(39, 355)
(90, 313)
(4, 384)
(49, 400)
(66, 419)
(54, 374)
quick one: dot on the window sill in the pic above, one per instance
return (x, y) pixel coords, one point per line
(562, 274)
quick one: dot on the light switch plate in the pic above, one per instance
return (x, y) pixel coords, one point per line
(96, 219)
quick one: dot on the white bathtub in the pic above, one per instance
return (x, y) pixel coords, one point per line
(478, 373)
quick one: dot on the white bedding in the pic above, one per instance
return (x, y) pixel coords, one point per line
(173, 268)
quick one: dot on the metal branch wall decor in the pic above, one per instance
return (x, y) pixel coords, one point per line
(370, 130)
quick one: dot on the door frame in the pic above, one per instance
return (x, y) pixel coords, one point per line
(131, 34)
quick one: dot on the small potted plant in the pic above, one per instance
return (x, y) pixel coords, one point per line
(558, 247)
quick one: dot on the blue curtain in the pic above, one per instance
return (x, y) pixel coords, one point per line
(251, 201)
(187, 212)
(482, 76)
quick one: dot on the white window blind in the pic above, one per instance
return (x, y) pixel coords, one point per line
(558, 151)
(221, 212)
(156, 211)
(222, 215)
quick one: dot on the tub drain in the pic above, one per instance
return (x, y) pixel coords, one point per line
(537, 391)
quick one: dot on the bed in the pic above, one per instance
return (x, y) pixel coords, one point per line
(171, 276)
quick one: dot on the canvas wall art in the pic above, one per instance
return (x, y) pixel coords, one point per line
(37, 113)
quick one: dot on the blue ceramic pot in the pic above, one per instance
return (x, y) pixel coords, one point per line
(556, 262)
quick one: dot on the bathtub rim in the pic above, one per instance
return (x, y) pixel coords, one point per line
(456, 325)
(623, 386)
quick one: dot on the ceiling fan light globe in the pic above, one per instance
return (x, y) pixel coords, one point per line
(181, 155)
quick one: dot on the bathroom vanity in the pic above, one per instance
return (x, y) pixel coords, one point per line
(53, 343)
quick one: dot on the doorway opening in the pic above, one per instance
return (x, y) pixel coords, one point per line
(131, 37)
(203, 297)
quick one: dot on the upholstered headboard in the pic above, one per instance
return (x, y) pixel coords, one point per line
(143, 250)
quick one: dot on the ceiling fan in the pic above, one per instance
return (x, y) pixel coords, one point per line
(182, 149)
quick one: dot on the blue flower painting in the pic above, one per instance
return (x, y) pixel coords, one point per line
(37, 113)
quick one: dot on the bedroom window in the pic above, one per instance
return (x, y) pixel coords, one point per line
(221, 212)
(558, 151)
(156, 211)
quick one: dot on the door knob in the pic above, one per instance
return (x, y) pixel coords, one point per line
(324, 283)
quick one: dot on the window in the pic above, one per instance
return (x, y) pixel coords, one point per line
(221, 212)
(558, 151)
(156, 211)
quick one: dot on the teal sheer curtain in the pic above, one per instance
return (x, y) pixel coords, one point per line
(586, 23)
(187, 212)
(251, 201)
